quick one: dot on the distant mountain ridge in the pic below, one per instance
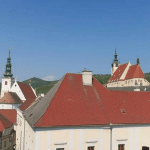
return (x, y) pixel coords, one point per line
(43, 86)
(40, 85)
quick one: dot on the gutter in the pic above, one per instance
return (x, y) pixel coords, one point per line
(111, 136)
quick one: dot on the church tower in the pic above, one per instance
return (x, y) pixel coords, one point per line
(7, 80)
(115, 63)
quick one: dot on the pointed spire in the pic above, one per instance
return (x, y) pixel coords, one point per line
(115, 61)
(8, 67)
(9, 52)
(138, 61)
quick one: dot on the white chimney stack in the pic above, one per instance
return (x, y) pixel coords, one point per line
(87, 77)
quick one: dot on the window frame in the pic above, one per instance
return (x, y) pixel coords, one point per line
(90, 147)
(58, 148)
(121, 145)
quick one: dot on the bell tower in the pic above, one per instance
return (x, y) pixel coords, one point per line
(7, 79)
(115, 63)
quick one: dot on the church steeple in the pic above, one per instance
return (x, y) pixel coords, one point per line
(8, 72)
(115, 59)
(115, 63)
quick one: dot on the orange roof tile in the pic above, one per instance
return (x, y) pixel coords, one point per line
(28, 94)
(4, 123)
(134, 71)
(11, 98)
(118, 73)
(10, 114)
(75, 104)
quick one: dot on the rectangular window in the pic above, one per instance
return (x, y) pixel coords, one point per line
(59, 148)
(121, 147)
(90, 148)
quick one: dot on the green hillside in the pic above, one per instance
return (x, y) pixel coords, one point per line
(147, 76)
(43, 86)
(102, 78)
(36, 82)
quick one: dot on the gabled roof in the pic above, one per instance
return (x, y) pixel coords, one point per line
(28, 94)
(10, 98)
(10, 114)
(134, 71)
(118, 73)
(4, 123)
(70, 103)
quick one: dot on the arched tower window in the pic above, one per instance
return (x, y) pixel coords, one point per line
(5, 82)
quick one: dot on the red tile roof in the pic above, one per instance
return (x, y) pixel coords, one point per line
(4, 123)
(76, 104)
(28, 94)
(118, 73)
(10, 114)
(134, 71)
(11, 98)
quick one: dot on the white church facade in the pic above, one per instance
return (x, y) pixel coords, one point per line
(13, 93)
(126, 75)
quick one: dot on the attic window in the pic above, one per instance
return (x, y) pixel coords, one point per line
(123, 111)
(30, 115)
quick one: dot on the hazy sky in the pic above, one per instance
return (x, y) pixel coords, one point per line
(50, 38)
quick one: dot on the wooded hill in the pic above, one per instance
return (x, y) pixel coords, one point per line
(44, 86)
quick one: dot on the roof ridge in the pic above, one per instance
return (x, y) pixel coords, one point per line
(29, 112)
(5, 118)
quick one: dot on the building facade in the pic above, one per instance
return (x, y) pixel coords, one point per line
(80, 113)
(126, 75)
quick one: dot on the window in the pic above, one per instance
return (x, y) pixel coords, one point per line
(59, 148)
(121, 147)
(145, 148)
(90, 148)
(5, 82)
(136, 83)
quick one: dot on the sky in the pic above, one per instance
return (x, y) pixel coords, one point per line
(49, 38)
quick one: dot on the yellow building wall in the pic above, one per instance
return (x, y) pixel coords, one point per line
(73, 139)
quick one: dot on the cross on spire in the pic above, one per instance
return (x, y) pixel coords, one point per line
(9, 51)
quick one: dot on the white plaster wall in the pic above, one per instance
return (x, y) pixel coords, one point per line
(15, 88)
(129, 82)
(72, 138)
(24, 133)
(6, 88)
(19, 131)
(113, 69)
(9, 106)
(134, 137)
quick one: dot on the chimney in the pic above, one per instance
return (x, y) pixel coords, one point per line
(87, 77)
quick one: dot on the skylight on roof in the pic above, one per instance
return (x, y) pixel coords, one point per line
(123, 111)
